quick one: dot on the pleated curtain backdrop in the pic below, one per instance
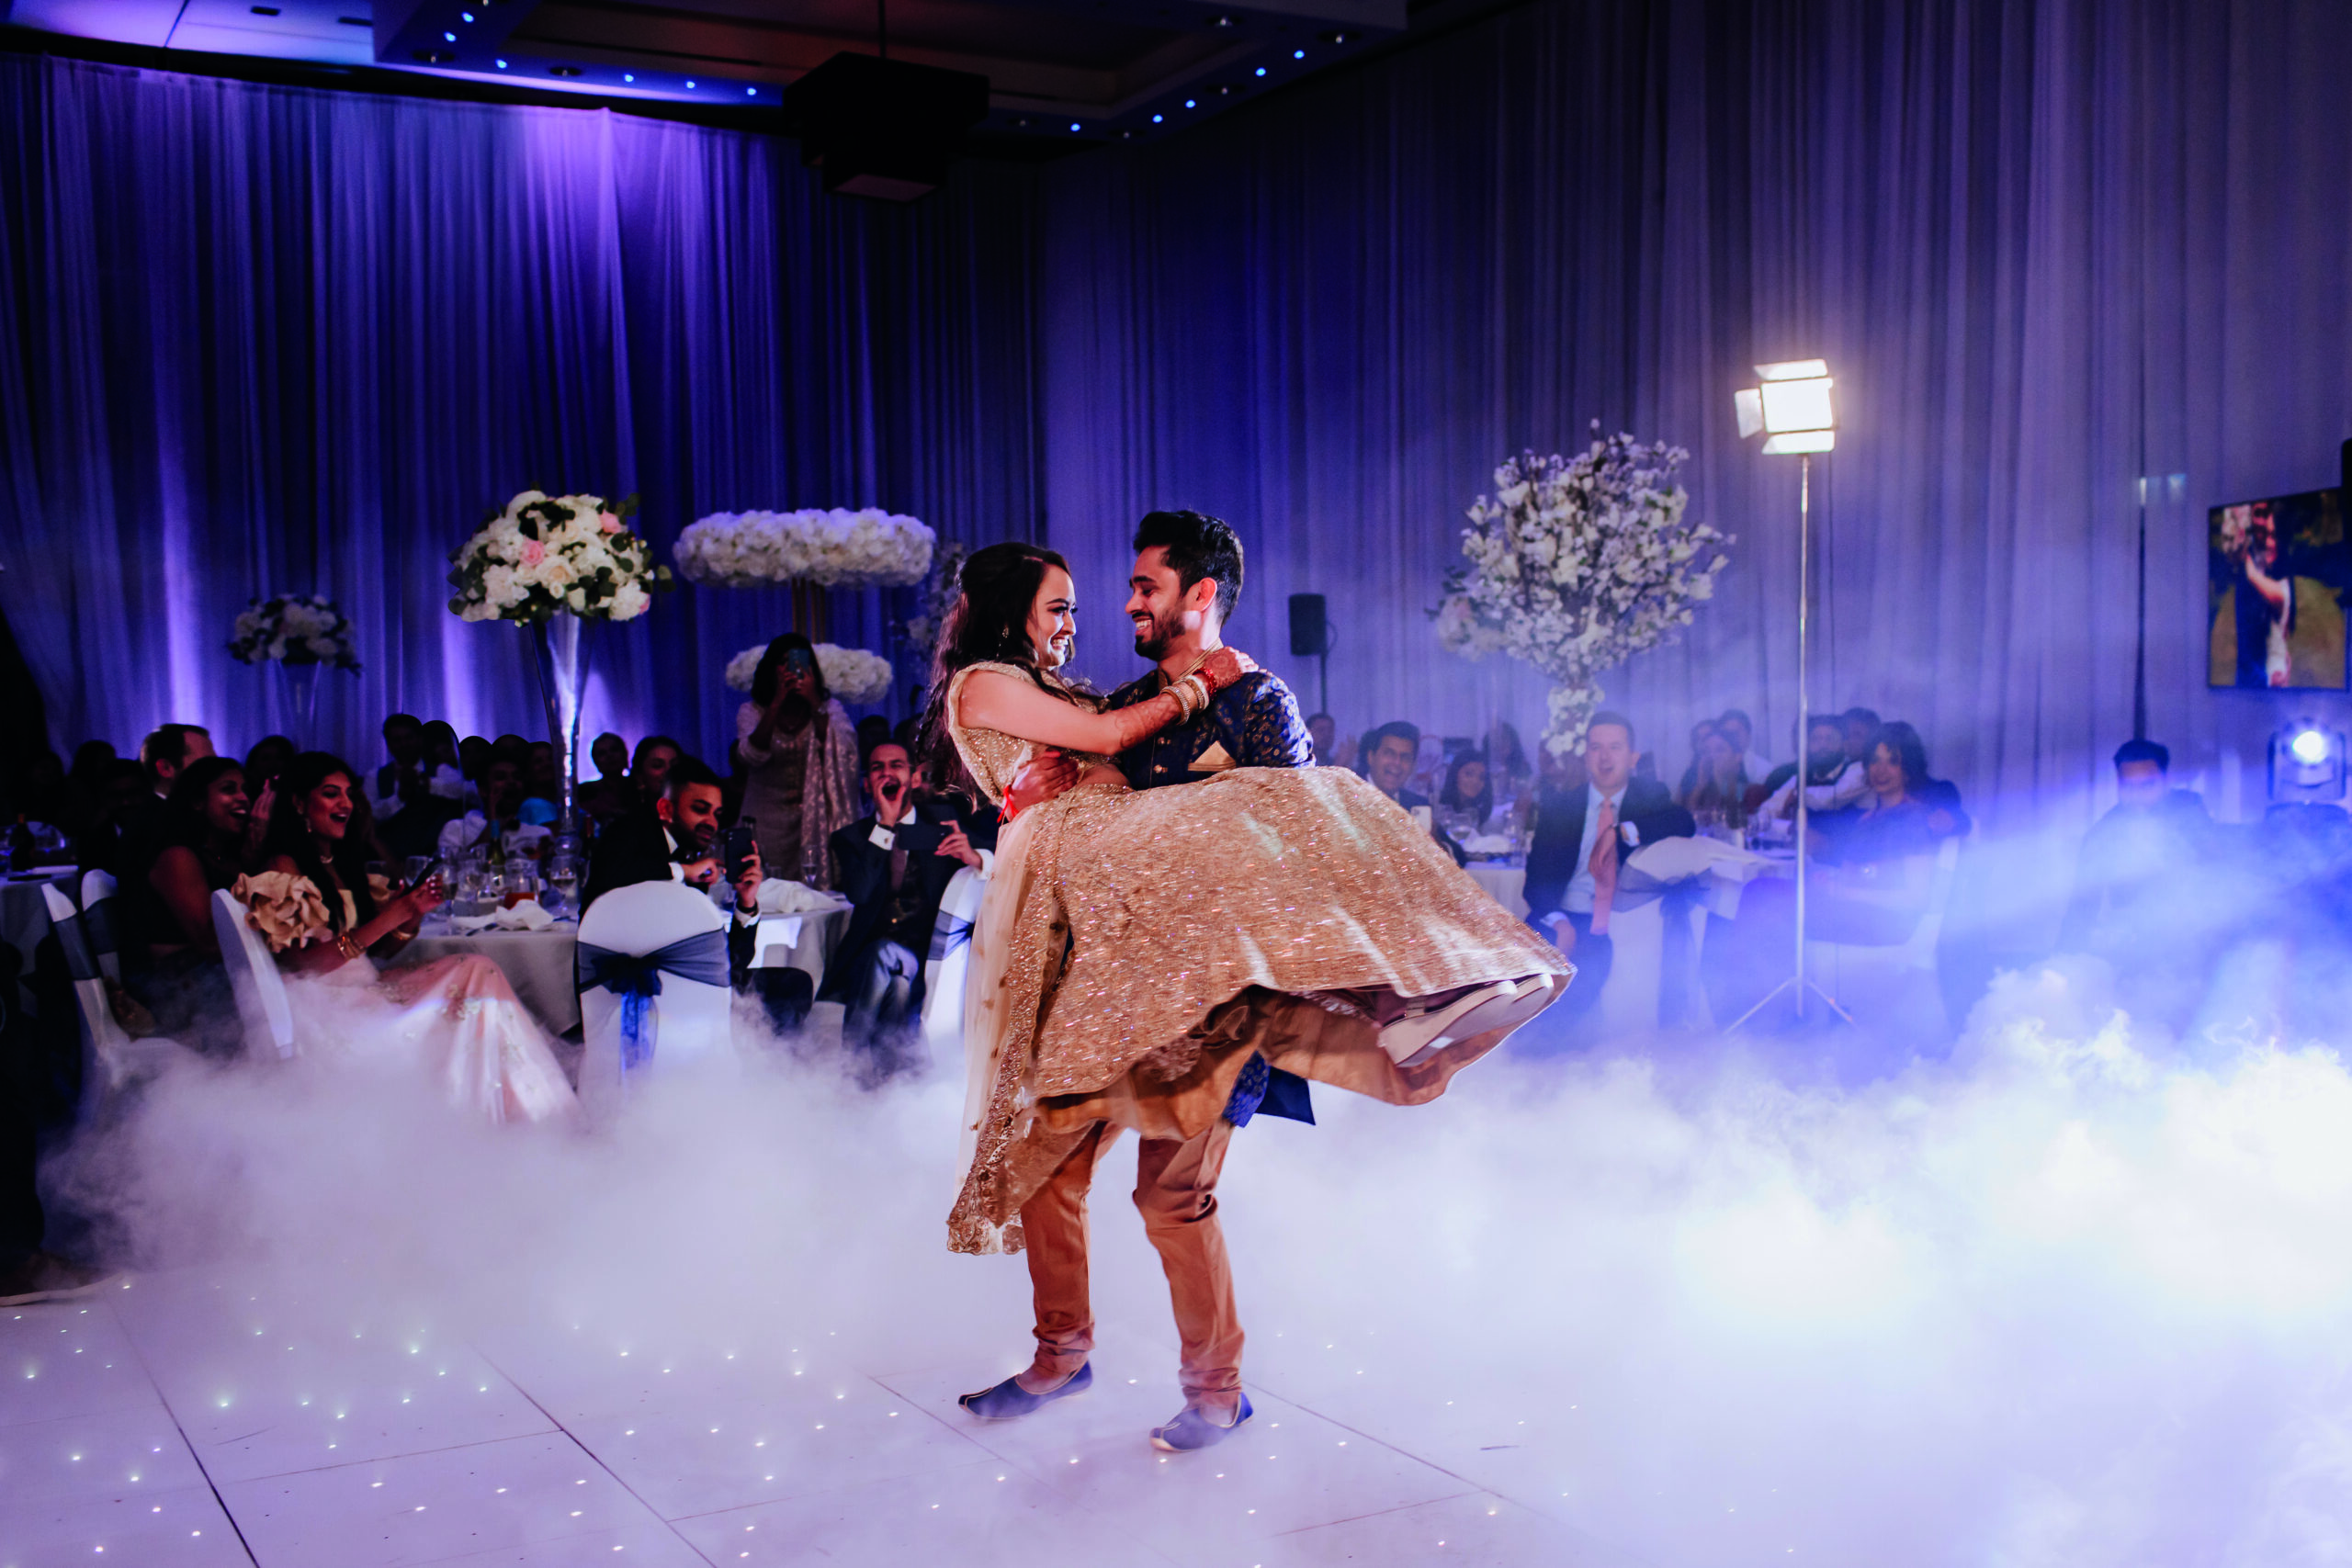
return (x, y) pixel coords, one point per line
(254, 338)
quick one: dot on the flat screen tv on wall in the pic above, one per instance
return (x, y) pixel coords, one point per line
(2277, 572)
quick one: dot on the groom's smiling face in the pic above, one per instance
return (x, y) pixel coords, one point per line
(1163, 612)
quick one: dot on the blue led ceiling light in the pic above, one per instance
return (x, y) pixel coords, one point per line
(448, 38)
(501, 65)
(629, 75)
(1262, 71)
(1298, 55)
(1158, 118)
(465, 15)
(1190, 104)
(1074, 125)
(750, 92)
(690, 86)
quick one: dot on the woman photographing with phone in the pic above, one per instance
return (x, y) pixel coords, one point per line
(797, 753)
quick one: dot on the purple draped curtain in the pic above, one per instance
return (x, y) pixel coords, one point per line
(257, 338)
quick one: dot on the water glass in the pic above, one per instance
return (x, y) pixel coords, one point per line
(418, 868)
(563, 885)
(471, 872)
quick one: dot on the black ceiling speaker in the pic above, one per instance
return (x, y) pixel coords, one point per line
(884, 129)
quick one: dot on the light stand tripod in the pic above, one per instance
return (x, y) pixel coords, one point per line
(1798, 985)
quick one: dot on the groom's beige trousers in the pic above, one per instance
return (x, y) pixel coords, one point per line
(1176, 1190)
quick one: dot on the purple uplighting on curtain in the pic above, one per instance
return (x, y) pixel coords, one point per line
(2048, 246)
(257, 339)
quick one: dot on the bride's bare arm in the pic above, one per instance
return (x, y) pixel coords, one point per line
(1017, 708)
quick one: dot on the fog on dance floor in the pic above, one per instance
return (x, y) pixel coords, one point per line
(2072, 1291)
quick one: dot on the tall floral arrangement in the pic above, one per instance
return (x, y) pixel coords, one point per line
(827, 547)
(939, 593)
(294, 628)
(1574, 565)
(851, 674)
(546, 554)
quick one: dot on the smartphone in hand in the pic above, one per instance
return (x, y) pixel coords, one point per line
(735, 850)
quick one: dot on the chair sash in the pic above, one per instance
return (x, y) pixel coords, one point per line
(636, 978)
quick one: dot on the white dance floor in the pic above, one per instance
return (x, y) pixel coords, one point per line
(179, 1423)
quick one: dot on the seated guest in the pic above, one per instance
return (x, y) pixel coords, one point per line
(607, 795)
(1324, 730)
(1507, 765)
(542, 785)
(1835, 778)
(412, 798)
(649, 770)
(1861, 726)
(265, 763)
(677, 841)
(500, 821)
(1740, 730)
(455, 1021)
(408, 779)
(894, 867)
(1466, 804)
(1689, 784)
(1891, 822)
(124, 807)
(441, 750)
(171, 958)
(168, 748)
(1720, 792)
(473, 759)
(1391, 752)
(1580, 837)
(2134, 859)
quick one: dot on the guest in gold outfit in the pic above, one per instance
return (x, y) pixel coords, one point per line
(1137, 951)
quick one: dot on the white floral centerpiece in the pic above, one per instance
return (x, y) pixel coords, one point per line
(851, 674)
(294, 628)
(547, 554)
(1577, 564)
(830, 548)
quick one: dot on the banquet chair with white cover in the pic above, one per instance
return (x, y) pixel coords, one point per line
(97, 922)
(110, 1057)
(1894, 985)
(260, 989)
(653, 990)
(950, 959)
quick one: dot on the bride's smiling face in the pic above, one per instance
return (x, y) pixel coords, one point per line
(1052, 619)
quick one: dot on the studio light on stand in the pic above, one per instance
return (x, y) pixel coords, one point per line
(1792, 410)
(2307, 763)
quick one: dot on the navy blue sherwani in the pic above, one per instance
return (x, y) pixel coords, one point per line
(1256, 723)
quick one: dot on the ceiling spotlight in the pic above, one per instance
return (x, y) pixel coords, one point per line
(1074, 125)
(1298, 55)
(1191, 103)
(563, 70)
(1262, 71)
(629, 75)
(690, 85)
(1222, 90)
(1158, 118)
(465, 15)
(501, 65)
(448, 38)
(1337, 35)
(2307, 763)
(1222, 21)
(435, 56)
(750, 92)
(1792, 408)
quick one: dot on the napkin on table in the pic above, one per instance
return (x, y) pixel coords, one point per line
(529, 915)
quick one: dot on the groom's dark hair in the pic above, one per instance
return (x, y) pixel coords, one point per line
(1198, 546)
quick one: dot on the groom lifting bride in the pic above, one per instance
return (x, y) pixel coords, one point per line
(1177, 961)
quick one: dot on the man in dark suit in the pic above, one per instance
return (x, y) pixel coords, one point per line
(676, 840)
(1394, 747)
(1187, 578)
(894, 868)
(1580, 835)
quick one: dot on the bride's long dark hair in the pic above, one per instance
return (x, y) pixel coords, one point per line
(989, 624)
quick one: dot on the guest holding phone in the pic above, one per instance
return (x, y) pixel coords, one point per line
(797, 753)
(679, 840)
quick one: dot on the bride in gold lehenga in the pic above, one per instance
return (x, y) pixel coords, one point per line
(1133, 948)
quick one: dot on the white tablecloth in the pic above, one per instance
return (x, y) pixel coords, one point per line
(23, 920)
(802, 940)
(1506, 884)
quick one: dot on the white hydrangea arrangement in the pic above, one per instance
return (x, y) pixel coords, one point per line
(831, 548)
(1577, 565)
(294, 628)
(546, 554)
(851, 674)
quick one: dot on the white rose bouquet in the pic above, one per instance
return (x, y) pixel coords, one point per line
(294, 628)
(1577, 565)
(831, 548)
(851, 674)
(546, 554)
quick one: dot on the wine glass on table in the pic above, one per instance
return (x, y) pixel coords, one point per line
(563, 886)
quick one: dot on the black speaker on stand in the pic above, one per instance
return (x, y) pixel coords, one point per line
(1311, 637)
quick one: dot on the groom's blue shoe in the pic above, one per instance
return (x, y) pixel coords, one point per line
(1009, 1399)
(1192, 1430)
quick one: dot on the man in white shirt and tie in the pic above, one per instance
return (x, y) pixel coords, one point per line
(1580, 837)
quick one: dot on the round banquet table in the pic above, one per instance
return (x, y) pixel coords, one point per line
(539, 964)
(1506, 883)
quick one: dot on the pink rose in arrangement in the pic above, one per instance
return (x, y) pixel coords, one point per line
(610, 524)
(534, 552)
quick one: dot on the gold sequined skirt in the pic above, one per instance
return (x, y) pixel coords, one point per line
(1138, 948)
